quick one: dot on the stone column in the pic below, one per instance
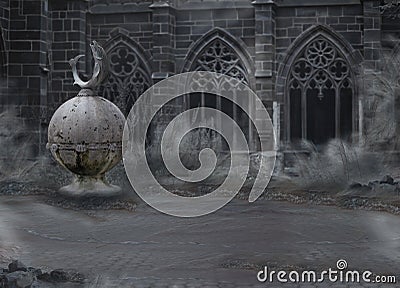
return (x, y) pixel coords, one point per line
(163, 59)
(372, 54)
(68, 25)
(163, 39)
(372, 33)
(265, 54)
(27, 63)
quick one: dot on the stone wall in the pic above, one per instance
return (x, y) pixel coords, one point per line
(4, 24)
(67, 39)
(25, 59)
(136, 20)
(39, 37)
(192, 25)
(293, 21)
(297, 25)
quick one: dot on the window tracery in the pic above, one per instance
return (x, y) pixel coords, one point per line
(128, 78)
(320, 83)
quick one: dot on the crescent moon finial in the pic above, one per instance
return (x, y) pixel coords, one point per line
(100, 70)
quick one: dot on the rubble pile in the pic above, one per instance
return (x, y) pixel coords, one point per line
(18, 275)
(384, 188)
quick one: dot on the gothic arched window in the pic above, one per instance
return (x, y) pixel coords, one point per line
(218, 57)
(128, 78)
(320, 90)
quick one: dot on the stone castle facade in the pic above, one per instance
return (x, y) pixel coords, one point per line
(305, 59)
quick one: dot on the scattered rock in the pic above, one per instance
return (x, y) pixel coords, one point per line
(19, 279)
(35, 272)
(387, 180)
(76, 277)
(357, 189)
(44, 277)
(373, 184)
(3, 279)
(355, 185)
(19, 276)
(16, 266)
(61, 276)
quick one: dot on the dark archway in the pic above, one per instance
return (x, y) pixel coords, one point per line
(320, 91)
(130, 73)
(318, 85)
(220, 52)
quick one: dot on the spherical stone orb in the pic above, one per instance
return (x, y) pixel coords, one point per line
(85, 137)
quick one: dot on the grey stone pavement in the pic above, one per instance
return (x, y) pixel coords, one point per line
(225, 249)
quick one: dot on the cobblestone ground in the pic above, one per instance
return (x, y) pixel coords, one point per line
(226, 249)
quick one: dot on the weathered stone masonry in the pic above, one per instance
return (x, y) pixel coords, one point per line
(151, 40)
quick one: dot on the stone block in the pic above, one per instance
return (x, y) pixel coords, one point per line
(18, 25)
(353, 37)
(286, 12)
(354, 27)
(248, 23)
(332, 20)
(97, 19)
(248, 31)
(281, 33)
(77, 25)
(183, 15)
(283, 42)
(21, 45)
(32, 7)
(14, 70)
(61, 46)
(201, 15)
(245, 13)
(34, 83)
(23, 57)
(347, 20)
(29, 70)
(335, 11)
(353, 10)
(58, 5)
(34, 22)
(24, 35)
(60, 36)
(233, 23)
(225, 14)
(161, 18)
(306, 12)
(15, 14)
(162, 40)
(372, 35)
(183, 30)
(137, 17)
(304, 20)
(57, 25)
(294, 32)
(75, 14)
(200, 29)
(339, 27)
(74, 36)
(284, 22)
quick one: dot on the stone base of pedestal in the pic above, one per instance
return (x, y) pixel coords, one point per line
(85, 186)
